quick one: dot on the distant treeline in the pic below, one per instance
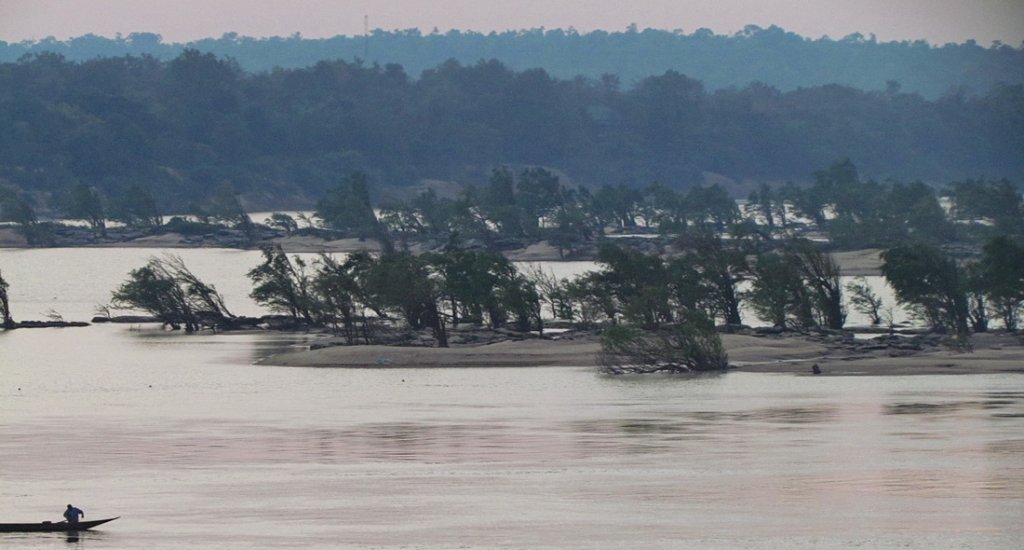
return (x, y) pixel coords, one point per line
(772, 56)
(183, 127)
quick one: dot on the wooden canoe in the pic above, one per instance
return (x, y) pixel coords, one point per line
(49, 526)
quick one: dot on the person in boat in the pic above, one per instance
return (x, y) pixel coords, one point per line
(72, 514)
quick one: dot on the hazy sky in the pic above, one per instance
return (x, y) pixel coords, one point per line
(938, 21)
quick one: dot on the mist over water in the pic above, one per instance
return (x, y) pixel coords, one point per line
(197, 442)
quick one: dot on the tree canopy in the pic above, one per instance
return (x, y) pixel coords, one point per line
(179, 130)
(771, 55)
(930, 280)
(167, 289)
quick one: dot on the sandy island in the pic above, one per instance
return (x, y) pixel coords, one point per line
(993, 353)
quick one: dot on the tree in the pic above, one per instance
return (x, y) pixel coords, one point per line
(469, 281)
(81, 202)
(551, 290)
(997, 201)
(722, 269)
(712, 206)
(820, 275)
(434, 213)
(664, 208)
(283, 222)
(283, 285)
(864, 299)
(135, 207)
(777, 293)
(347, 207)
(5, 306)
(616, 205)
(520, 298)
(225, 206)
(914, 214)
(15, 206)
(574, 223)
(838, 186)
(292, 130)
(639, 283)
(481, 285)
(1000, 276)
(538, 195)
(207, 300)
(339, 293)
(165, 288)
(977, 301)
(798, 285)
(692, 346)
(401, 219)
(402, 282)
(766, 204)
(589, 299)
(930, 280)
(897, 72)
(196, 120)
(151, 288)
(498, 202)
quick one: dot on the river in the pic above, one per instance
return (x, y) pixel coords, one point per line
(197, 443)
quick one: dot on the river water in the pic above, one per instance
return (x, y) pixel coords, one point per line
(196, 442)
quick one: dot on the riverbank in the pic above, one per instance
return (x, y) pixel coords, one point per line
(791, 354)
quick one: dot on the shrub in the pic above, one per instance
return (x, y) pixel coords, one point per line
(687, 347)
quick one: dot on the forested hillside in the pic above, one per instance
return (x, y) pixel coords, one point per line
(772, 56)
(185, 126)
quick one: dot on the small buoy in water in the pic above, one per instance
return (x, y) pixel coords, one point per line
(815, 369)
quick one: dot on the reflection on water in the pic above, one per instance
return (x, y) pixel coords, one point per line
(989, 400)
(80, 539)
(923, 408)
(197, 447)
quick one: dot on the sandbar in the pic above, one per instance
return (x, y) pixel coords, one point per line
(992, 353)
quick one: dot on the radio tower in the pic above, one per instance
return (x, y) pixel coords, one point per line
(366, 38)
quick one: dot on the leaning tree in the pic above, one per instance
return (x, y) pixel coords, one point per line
(169, 291)
(5, 306)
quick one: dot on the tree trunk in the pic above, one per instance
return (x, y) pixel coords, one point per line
(436, 322)
(979, 315)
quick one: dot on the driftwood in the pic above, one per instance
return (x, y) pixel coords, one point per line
(47, 324)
